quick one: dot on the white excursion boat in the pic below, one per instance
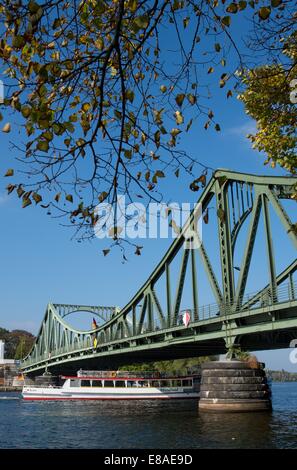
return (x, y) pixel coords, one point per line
(111, 385)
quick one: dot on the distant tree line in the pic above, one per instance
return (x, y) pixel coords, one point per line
(281, 376)
(176, 365)
(17, 343)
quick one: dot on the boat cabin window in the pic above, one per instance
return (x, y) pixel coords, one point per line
(155, 383)
(74, 383)
(131, 383)
(176, 383)
(165, 383)
(187, 383)
(143, 383)
(85, 383)
(97, 383)
(120, 383)
(108, 383)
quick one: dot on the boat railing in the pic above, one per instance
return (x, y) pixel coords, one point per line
(42, 385)
(132, 374)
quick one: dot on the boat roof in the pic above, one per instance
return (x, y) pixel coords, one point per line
(95, 377)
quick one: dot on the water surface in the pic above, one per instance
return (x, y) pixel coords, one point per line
(145, 424)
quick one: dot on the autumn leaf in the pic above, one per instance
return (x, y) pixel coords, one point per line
(6, 128)
(20, 191)
(191, 98)
(9, 172)
(37, 198)
(69, 198)
(232, 8)
(57, 197)
(26, 202)
(178, 117)
(264, 13)
(102, 196)
(105, 252)
(10, 188)
(180, 99)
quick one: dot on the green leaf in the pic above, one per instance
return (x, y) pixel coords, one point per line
(26, 111)
(18, 42)
(142, 21)
(130, 95)
(232, 8)
(128, 153)
(242, 5)
(48, 135)
(264, 13)
(276, 3)
(226, 21)
(43, 145)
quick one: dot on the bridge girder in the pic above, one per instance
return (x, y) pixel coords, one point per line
(239, 199)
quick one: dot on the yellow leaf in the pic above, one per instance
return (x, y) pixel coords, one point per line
(6, 128)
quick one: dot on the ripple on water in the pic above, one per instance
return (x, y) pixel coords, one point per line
(146, 424)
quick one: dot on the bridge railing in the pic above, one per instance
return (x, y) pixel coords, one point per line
(266, 298)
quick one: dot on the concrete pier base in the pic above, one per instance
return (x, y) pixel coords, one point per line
(233, 386)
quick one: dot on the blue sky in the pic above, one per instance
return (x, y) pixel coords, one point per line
(40, 262)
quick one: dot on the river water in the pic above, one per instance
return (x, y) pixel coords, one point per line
(145, 424)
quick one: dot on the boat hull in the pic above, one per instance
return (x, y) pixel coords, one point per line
(61, 394)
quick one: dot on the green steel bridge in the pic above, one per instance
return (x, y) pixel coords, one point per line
(145, 330)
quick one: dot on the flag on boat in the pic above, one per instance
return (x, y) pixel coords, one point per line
(94, 324)
(186, 318)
